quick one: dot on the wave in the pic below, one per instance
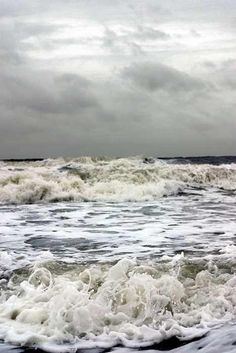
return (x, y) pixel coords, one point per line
(129, 303)
(104, 179)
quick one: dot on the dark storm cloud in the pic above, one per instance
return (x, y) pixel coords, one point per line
(155, 76)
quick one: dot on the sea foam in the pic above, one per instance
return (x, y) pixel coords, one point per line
(124, 179)
(130, 303)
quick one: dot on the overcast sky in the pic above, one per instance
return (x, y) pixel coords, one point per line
(109, 77)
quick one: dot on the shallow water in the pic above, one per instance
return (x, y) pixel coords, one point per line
(117, 274)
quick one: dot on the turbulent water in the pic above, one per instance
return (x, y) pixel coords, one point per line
(118, 255)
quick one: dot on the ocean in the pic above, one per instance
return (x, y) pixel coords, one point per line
(118, 255)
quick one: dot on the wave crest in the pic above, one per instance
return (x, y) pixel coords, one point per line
(124, 179)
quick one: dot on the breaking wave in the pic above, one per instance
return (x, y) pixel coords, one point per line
(129, 303)
(101, 179)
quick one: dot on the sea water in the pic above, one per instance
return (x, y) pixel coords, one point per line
(118, 255)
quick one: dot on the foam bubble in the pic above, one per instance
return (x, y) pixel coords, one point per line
(129, 303)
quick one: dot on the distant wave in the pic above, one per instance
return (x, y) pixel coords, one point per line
(105, 179)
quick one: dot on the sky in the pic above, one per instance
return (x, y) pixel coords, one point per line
(117, 78)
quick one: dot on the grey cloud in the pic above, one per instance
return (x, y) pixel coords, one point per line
(99, 11)
(73, 80)
(119, 121)
(26, 29)
(150, 33)
(195, 33)
(133, 39)
(117, 43)
(156, 76)
(9, 55)
(110, 38)
(48, 95)
(55, 100)
(51, 114)
(209, 64)
(9, 46)
(222, 73)
(14, 40)
(227, 73)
